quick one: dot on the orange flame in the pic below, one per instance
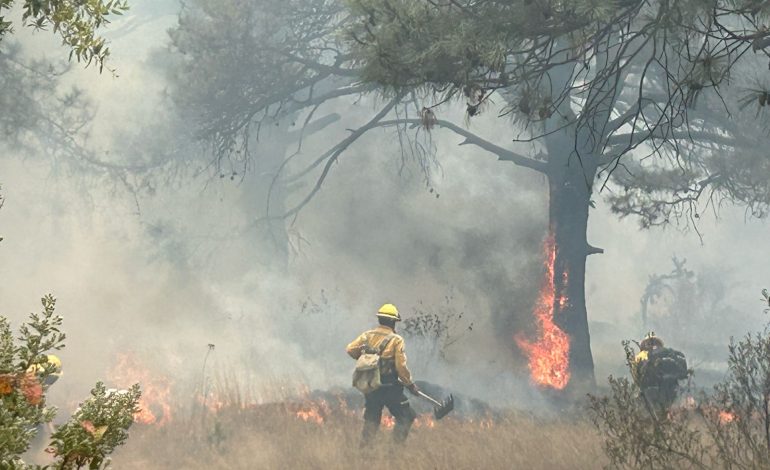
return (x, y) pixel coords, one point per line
(549, 355)
(319, 411)
(726, 417)
(314, 412)
(425, 421)
(154, 405)
(310, 415)
(388, 421)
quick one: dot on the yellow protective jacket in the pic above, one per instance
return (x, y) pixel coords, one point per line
(636, 368)
(394, 350)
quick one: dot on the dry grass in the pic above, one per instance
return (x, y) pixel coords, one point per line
(270, 437)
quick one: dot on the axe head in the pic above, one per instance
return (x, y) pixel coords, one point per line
(445, 408)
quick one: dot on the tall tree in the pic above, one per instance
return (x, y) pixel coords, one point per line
(595, 87)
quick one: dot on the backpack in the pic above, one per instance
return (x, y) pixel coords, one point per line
(367, 375)
(665, 365)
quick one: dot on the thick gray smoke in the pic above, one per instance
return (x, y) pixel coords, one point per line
(159, 267)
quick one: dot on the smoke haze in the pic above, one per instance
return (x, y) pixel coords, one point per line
(167, 270)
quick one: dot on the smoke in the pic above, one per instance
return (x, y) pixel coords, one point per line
(163, 269)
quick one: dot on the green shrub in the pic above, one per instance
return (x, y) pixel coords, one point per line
(99, 425)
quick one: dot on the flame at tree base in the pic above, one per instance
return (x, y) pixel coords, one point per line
(549, 355)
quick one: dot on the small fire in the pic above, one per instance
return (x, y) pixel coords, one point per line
(320, 411)
(211, 401)
(388, 421)
(726, 417)
(314, 412)
(425, 421)
(549, 355)
(154, 405)
(310, 415)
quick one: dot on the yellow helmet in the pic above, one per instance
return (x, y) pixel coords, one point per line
(51, 359)
(650, 341)
(55, 361)
(389, 311)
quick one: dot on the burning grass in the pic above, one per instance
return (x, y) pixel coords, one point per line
(236, 427)
(310, 435)
(227, 424)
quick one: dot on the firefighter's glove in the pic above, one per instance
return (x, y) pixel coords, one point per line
(413, 389)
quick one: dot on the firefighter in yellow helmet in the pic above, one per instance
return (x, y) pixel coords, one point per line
(647, 345)
(393, 372)
(50, 371)
(657, 371)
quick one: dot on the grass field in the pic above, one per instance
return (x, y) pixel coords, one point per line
(276, 437)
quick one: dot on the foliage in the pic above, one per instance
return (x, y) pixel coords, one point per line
(633, 438)
(437, 326)
(491, 45)
(727, 428)
(245, 64)
(41, 116)
(605, 83)
(744, 441)
(75, 21)
(97, 427)
(22, 392)
(33, 104)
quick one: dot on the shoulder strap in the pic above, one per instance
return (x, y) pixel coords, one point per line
(367, 343)
(385, 342)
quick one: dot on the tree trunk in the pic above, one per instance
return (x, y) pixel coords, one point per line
(570, 183)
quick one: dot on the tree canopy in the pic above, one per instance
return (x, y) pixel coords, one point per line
(639, 96)
(634, 94)
(76, 23)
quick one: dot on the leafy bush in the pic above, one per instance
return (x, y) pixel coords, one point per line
(97, 427)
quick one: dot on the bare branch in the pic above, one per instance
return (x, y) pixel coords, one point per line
(334, 153)
(313, 127)
(473, 139)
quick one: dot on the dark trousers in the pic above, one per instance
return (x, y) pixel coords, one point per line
(393, 397)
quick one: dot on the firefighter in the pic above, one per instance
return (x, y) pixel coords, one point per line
(647, 345)
(55, 370)
(657, 371)
(394, 376)
(44, 431)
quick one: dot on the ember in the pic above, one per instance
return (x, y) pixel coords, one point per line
(549, 355)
